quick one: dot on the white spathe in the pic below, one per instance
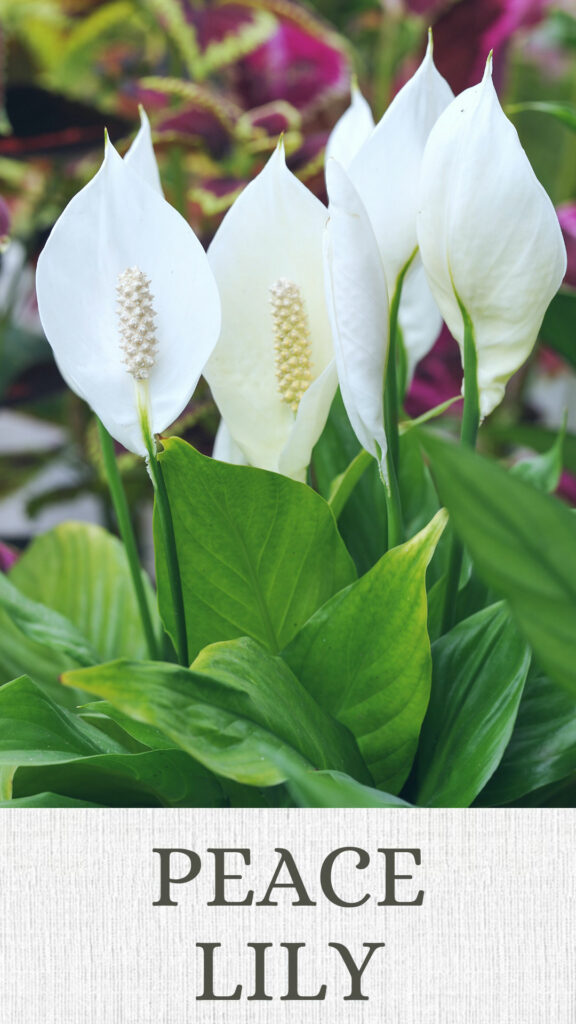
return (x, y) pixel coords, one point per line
(358, 305)
(488, 235)
(351, 130)
(116, 222)
(384, 166)
(386, 169)
(141, 157)
(273, 233)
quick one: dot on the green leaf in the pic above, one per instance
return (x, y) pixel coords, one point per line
(479, 672)
(81, 571)
(232, 711)
(39, 642)
(35, 730)
(528, 435)
(543, 471)
(542, 749)
(258, 553)
(523, 545)
(45, 800)
(563, 112)
(165, 778)
(362, 521)
(139, 731)
(365, 657)
(334, 789)
(557, 329)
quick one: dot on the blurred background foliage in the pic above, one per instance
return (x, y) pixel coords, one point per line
(220, 81)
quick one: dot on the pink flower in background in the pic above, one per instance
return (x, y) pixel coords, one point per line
(8, 556)
(465, 32)
(567, 217)
(4, 222)
(438, 377)
(299, 64)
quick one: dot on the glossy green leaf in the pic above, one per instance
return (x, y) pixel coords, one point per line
(34, 730)
(158, 778)
(542, 749)
(144, 734)
(39, 642)
(479, 672)
(334, 789)
(365, 657)
(563, 112)
(81, 571)
(523, 545)
(362, 521)
(258, 553)
(543, 471)
(45, 800)
(232, 711)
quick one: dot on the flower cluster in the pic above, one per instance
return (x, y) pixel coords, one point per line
(434, 214)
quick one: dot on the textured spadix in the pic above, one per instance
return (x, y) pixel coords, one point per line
(115, 223)
(488, 235)
(272, 373)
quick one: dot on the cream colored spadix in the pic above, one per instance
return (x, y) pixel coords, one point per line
(127, 299)
(488, 235)
(272, 372)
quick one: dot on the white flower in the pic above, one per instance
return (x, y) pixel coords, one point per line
(358, 304)
(127, 298)
(385, 170)
(488, 235)
(272, 373)
(351, 131)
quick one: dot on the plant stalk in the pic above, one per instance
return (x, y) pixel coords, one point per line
(127, 533)
(468, 435)
(391, 417)
(168, 536)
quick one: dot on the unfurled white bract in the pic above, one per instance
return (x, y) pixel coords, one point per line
(272, 373)
(351, 130)
(384, 167)
(358, 305)
(127, 299)
(488, 234)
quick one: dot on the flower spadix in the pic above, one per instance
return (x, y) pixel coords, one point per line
(358, 305)
(272, 373)
(385, 170)
(488, 234)
(127, 299)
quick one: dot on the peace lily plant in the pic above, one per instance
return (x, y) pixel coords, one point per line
(317, 637)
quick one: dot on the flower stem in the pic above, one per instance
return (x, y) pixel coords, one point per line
(391, 417)
(393, 506)
(469, 433)
(167, 530)
(127, 533)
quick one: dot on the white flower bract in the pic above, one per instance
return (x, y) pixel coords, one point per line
(117, 222)
(488, 235)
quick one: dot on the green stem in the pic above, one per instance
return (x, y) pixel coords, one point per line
(469, 433)
(127, 533)
(168, 536)
(393, 505)
(391, 416)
